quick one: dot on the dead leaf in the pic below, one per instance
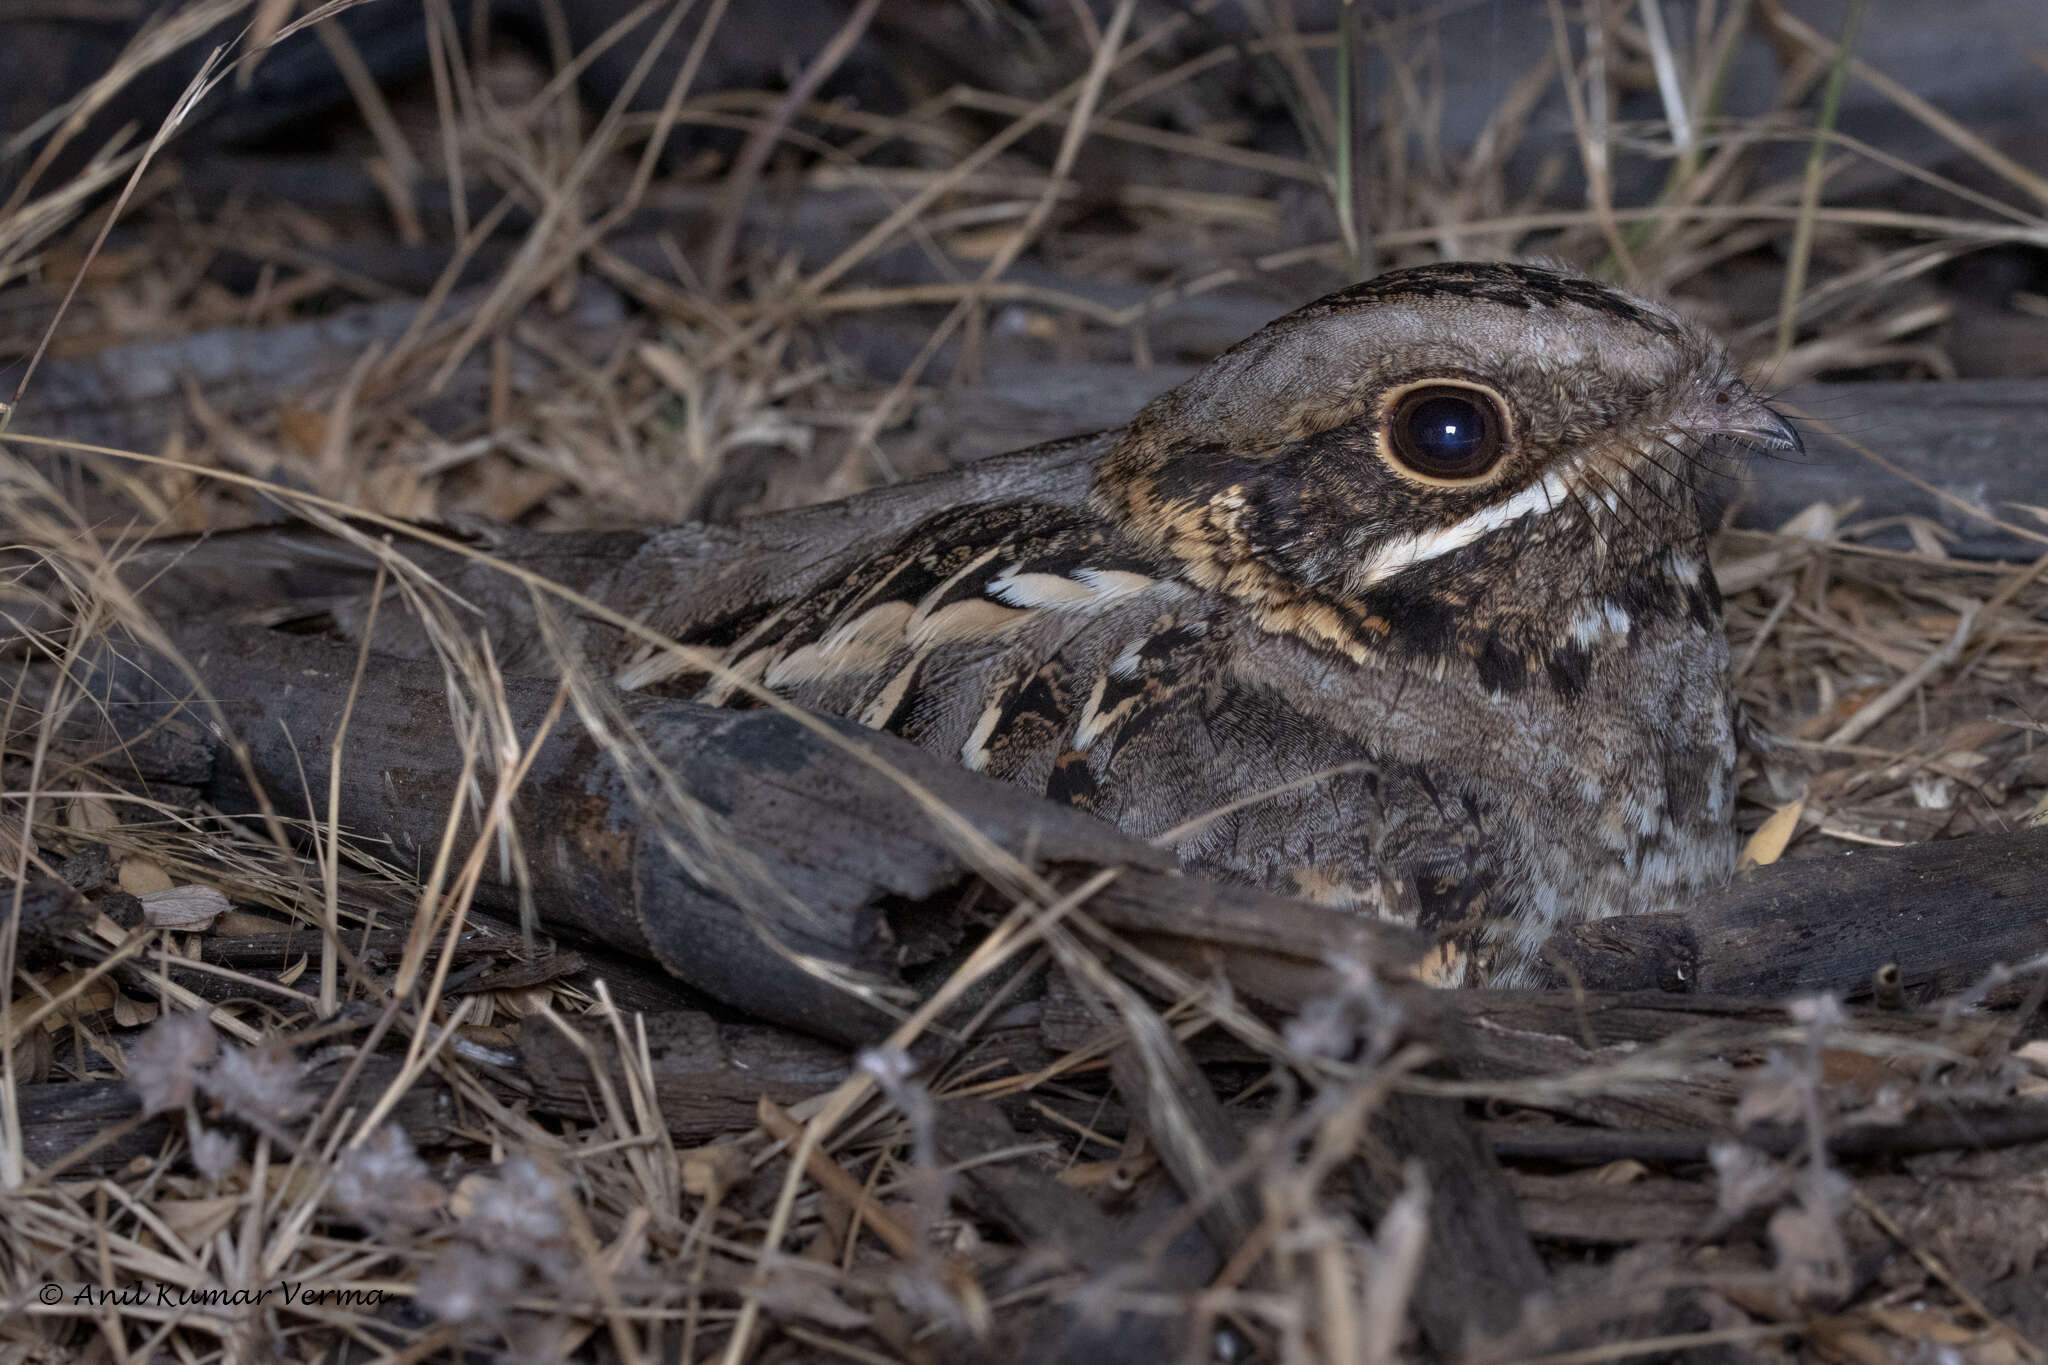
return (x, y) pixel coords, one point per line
(1772, 837)
(241, 923)
(1917, 1324)
(490, 1037)
(1618, 1173)
(1838, 1339)
(93, 998)
(197, 1220)
(15, 840)
(91, 814)
(130, 1012)
(192, 908)
(670, 366)
(981, 244)
(140, 877)
(33, 1054)
(523, 1003)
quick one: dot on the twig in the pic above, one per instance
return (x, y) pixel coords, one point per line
(1088, 97)
(1592, 151)
(753, 157)
(1809, 194)
(1940, 1131)
(1877, 708)
(1936, 1267)
(2033, 182)
(833, 1179)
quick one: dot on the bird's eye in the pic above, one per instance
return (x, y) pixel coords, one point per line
(1446, 432)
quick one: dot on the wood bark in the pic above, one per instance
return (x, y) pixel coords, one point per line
(1944, 914)
(782, 846)
(1479, 1266)
(794, 839)
(60, 1117)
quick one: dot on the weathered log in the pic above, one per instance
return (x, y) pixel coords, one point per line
(1479, 1266)
(1056, 1221)
(59, 1118)
(1944, 914)
(1519, 1035)
(708, 1076)
(839, 837)
(786, 841)
(1941, 1130)
(51, 912)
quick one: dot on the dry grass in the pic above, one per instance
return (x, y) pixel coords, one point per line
(433, 1207)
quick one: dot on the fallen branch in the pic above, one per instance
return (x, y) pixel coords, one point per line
(847, 858)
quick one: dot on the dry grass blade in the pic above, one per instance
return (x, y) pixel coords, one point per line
(1013, 246)
(195, 89)
(1809, 193)
(2029, 180)
(753, 157)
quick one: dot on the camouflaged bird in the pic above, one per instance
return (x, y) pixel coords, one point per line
(1401, 605)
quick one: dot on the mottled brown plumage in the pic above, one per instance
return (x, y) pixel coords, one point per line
(1319, 635)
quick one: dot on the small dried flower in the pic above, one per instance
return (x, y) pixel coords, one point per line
(384, 1182)
(519, 1210)
(1819, 1011)
(214, 1153)
(468, 1285)
(166, 1063)
(1774, 1093)
(1811, 1254)
(1358, 1021)
(1744, 1177)
(192, 908)
(259, 1086)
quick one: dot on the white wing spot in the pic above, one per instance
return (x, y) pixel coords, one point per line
(1092, 723)
(1085, 590)
(1593, 622)
(974, 753)
(748, 669)
(863, 644)
(1113, 585)
(889, 698)
(964, 621)
(1021, 589)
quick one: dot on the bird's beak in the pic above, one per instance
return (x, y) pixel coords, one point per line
(1735, 411)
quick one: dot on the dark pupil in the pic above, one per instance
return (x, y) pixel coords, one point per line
(1447, 431)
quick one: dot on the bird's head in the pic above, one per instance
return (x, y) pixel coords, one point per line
(1478, 453)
